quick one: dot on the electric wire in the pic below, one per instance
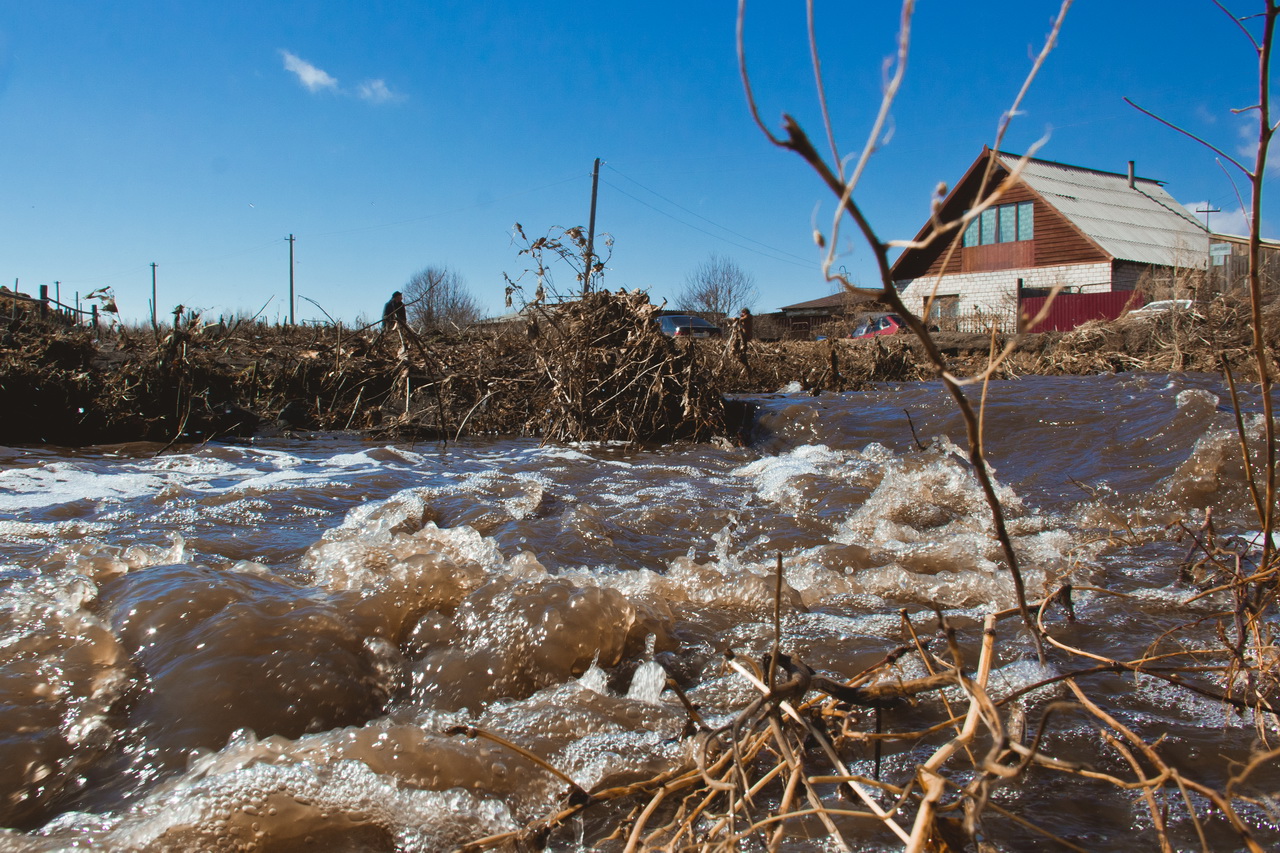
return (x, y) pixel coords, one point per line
(778, 254)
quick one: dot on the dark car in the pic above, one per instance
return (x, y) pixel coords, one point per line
(685, 326)
(878, 324)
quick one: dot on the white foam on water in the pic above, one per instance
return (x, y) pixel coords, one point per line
(595, 679)
(648, 682)
(17, 531)
(202, 473)
(774, 477)
(244, 806)
(27, 489)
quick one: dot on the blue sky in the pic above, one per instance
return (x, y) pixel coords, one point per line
(389, 136)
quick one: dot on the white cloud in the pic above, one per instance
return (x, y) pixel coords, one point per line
(375, 91)
(317, 79)
(308, 75)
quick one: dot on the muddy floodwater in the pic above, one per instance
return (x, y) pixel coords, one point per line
(264, 646)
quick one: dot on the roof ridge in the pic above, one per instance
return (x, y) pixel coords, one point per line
(1061, 165)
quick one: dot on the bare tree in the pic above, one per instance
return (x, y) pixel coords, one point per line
(439, 301)
(718, 286)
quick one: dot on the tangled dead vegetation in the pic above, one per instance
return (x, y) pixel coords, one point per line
(1202, 339)
(918, 751)
(613, 376)
(591, 370)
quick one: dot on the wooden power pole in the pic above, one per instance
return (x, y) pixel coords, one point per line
(155, 327)
(591, 231)
(290, 279)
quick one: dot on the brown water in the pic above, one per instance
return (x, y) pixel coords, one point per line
(261, 646)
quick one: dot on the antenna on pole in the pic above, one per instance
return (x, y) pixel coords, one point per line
(591, 231)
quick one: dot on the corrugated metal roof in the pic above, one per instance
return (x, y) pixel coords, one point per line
(1143, 224)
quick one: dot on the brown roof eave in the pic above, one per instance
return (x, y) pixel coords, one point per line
(947, 202)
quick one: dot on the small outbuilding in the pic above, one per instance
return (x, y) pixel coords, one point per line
(817, 315)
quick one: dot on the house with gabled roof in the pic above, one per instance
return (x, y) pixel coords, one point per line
(1053, 225)
(804, 318)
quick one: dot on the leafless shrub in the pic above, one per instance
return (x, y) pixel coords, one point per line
(560, 248)
(438, 300)
(718, 287)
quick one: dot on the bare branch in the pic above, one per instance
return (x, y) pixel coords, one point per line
(1248, 215)
(746, 79)
(886, 102)
(1215, 149)
(1239, 22)
(822, 89)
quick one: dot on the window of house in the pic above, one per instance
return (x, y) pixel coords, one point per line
(1005, 223)
(988, 223)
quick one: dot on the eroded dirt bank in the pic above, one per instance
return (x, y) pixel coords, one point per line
(597, 370)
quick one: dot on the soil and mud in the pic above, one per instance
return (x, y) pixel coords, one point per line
(593, 370)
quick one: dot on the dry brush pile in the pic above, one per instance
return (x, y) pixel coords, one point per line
(595, 369)
(613, 376)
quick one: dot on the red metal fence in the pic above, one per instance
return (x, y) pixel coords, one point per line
(1073, 309)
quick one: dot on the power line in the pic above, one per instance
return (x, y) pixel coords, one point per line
(234, 254)
(777, 254)
(708, 221)
(261, 246)
(449, 212)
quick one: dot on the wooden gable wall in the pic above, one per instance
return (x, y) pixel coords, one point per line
(1056, 241)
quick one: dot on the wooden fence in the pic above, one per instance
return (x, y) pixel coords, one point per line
(14, 303)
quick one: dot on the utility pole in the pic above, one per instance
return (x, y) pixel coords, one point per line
(290, 279)
(1206, 210)
(155, 327)
(591, 231)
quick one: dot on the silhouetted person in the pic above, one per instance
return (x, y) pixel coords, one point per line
(739, 334)
(394, 314)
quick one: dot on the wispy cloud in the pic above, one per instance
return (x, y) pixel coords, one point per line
(375, 91)
(308, 75)
(317, 80)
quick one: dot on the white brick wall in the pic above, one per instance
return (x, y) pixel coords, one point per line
(994, 294)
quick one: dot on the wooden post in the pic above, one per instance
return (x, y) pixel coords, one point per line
(44, 300)
(290, 279)
(591, 231)
(155, 327)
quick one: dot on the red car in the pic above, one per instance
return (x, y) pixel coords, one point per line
(878, 324)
